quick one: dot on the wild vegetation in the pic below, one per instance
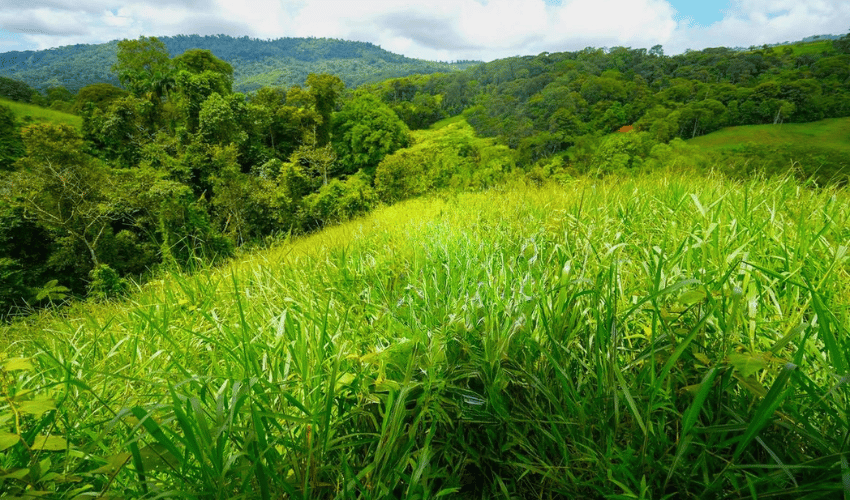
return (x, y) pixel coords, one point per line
(455, 285)
(240, 169)
(665, 336)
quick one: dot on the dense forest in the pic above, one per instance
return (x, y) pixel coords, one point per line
(281, 62)
(545, 104)
(175, 168)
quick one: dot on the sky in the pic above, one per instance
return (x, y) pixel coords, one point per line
(444, 30)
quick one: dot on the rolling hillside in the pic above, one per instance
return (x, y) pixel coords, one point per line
(820, 150)
(283, 62)
(27, 114)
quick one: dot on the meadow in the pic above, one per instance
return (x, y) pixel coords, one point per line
(815, 151)
(28, 114)
(673, 335)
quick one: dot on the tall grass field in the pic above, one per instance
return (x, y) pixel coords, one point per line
(667, 336)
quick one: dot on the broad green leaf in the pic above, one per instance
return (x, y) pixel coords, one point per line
(702, 358)
(113, 464)
(752, 385)
(17, 364)
(37, 407)
(17, 474)
(747, 364)
(156, 457)
(50, 443)
(692, 297)
(345, 380)
(7, 440)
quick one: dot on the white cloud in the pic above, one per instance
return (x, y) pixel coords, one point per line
(428, 29)
(757, 22)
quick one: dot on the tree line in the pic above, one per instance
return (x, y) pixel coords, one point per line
(176, 169)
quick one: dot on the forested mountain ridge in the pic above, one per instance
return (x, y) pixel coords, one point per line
(281, 62)
(564, 103)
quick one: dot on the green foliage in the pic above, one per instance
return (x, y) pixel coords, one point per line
(198, 61)
(325, 90)
(217, 121)
(99, 95)
(842, 45)
(450, 157)
(15, 90)
(106, 283)
(11, 147)
(338, 201)
(13, 291)
(30, 441)
(61, 187)
(621, 152)
(188, 237)
(52, 291)
(141, 64)
(365, 131)
(118, 132)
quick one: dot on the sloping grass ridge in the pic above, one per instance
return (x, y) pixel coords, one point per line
(28, 114)
(817, 151)
(655, 337)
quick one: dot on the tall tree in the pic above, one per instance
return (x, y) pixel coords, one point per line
(63, 189)
(365, 131)
(325, 90)
(141, 64)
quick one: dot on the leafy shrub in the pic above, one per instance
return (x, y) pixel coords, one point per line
(338, 201)
(106, 283)
(622, 152)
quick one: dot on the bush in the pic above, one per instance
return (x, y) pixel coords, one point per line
(15, 90)
(105, 283)
(622, 152)
(338, 201)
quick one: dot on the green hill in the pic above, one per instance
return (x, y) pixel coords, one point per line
(831, 133)
(648, 337)
(27, 114)
(818, 149)
(282, 62)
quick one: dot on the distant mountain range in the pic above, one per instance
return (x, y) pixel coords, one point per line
(281, 62)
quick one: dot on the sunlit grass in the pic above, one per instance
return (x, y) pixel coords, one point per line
(653, 337)
(28, 114)
(830, 133)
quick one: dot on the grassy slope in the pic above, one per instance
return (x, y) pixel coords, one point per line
(817, 151)
(832, 133)
(28, 114)
(816, 47)
(567, 342)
